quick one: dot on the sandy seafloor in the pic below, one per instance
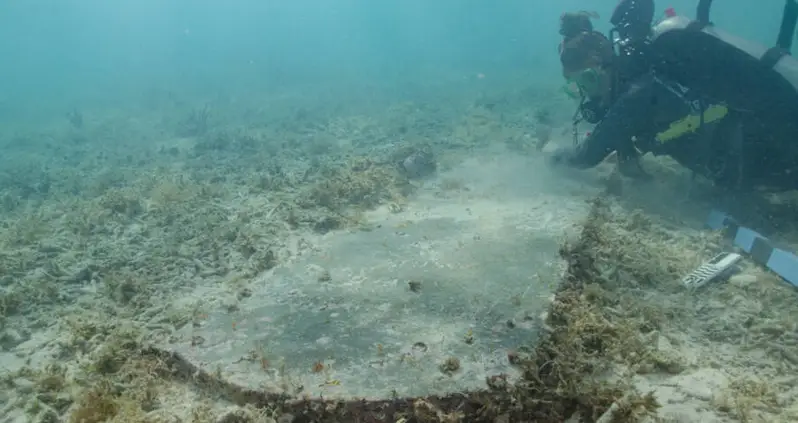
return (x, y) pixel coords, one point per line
(231, 243)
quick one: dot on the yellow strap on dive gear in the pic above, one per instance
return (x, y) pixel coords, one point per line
(690, 123)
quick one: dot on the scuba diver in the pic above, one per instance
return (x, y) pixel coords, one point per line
(590, 64)
(725, 108)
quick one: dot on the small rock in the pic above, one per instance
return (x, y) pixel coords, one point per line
(235, 415)
(10, 338)
(230, 305)
(6, 280)
(662, 342)
(244, 293)
(419, 164)
(286, 418)
(324, 276)
(47, 416)
(327, 224)
(24, 386)
(47, 248)
(743, 279)
(680, 416)
(700, 392)
(82, 275)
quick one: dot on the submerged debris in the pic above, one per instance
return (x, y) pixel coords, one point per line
(450, 365)
(416, 162)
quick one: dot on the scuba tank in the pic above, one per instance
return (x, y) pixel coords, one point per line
(631, 31)
(631, 21)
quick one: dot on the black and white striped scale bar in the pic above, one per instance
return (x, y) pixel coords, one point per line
(757, 246)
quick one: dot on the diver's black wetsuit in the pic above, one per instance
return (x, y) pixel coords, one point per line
(755, 145)
(648, 106)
